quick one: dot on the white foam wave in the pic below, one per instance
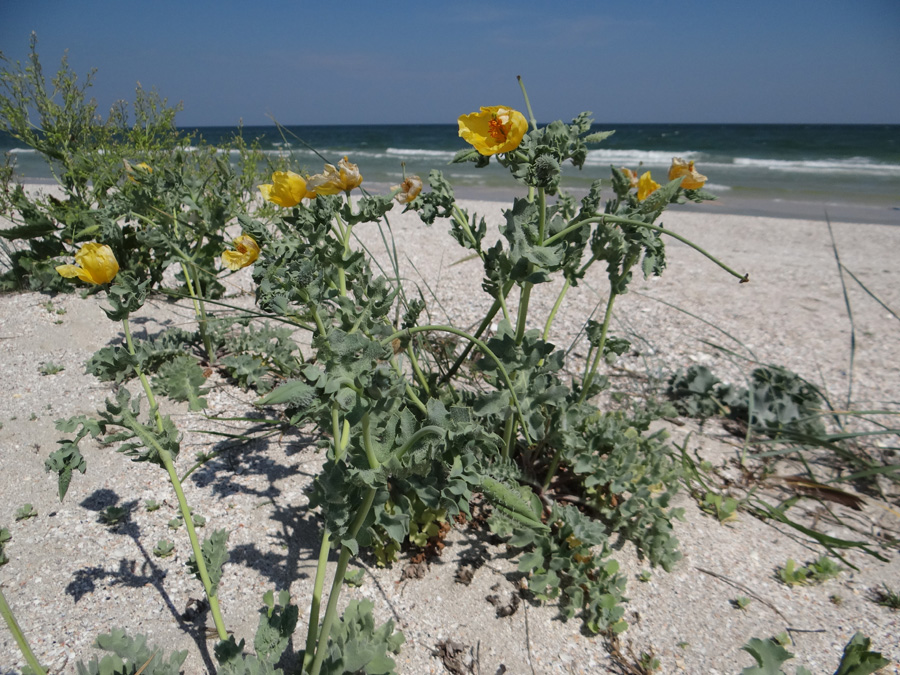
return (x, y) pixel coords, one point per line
(633, 157)
(851, 165)
(21, 151)
(420, 152)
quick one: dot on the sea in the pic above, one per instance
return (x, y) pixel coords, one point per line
(849, 172)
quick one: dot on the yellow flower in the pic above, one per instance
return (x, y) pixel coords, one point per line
(95, 264)
(341, 179)
(245, 252)
(287, 189)
(646, 186)
(692, 179)
(409, 189)
(494, 129)
(630, 175)
(137, 168)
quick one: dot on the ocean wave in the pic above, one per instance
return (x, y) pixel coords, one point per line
(21, 151)
(851, 165)
(420, 152)
(633, 157)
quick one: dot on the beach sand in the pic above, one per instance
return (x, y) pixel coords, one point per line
(71, 577)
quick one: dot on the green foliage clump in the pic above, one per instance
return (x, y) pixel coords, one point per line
(857, 658)
(820, 570)
(778, 402)
(130, 656)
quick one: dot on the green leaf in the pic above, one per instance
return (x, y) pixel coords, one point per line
(296, 393)
(215, 555)
(858, 659)
(277, 622)
(597, 136)
(180, 380)
(768, 654)
(130, 655)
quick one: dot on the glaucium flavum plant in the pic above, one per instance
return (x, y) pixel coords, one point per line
(416, 418)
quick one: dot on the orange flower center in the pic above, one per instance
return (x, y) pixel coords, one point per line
(497, 130)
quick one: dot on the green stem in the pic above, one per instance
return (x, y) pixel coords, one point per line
(166, 458)
(151, 399)
(524, 298)
(527, 102)
(556, 306)
(337, 583)
(214, 609)
(420, 376)
(416, 437)
(482, 346)
(367, 443)
(637, 223)
(492, 312)
(312, 634)
(606, 319)
(416, 401)
(199, 312)
(19, 637)
(508, 439)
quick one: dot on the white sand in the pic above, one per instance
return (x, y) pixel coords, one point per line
(70, 577)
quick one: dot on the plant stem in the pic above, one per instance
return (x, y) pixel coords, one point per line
(523, 311)
(312, 634)
(211, 596)
(637, 223)
(556, 306)
(166, 458)
(337, 583)
(483, 347)
(151, 399)
(19, 637)
(199, 312)
(606, 319)
(527, 102)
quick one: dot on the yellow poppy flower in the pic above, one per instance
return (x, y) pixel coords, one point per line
(341, 179)
(646, 186)
(137, 168)
(692, 179)
(95, 264)
(494, 129)
(286, 189)
(245, 252)
(630, 175)
(409, 189)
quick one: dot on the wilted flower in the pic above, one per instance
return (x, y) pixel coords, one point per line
(646, 186)
(287, 189)
(692, 179)
(245, 252)
(494, 129)
(341, 179)
(409, 189)
(95, 264)
(630, 175)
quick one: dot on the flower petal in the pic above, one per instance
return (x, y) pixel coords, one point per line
(693, 180)
(494, 129)
(646, 186)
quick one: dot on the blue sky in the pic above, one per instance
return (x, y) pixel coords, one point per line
(755, 61)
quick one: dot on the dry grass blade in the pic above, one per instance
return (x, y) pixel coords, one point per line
(818, 490)
(143, 667)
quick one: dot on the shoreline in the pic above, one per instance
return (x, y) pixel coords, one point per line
(788, 208)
